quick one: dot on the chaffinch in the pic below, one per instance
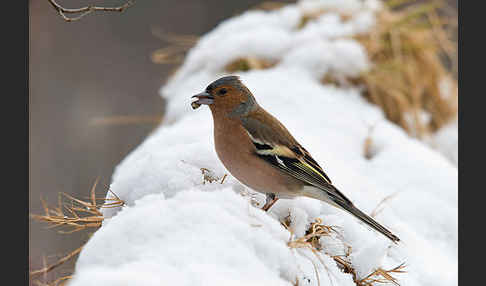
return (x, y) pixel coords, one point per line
(262, 154)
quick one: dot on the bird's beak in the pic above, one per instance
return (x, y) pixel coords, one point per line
(203, 98)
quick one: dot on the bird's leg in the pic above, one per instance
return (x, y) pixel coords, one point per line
(271, 199)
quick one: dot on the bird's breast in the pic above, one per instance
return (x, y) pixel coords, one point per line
(237, 153)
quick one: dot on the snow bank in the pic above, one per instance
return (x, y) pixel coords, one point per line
(180, 229)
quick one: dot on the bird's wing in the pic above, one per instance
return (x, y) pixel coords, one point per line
(275, 145)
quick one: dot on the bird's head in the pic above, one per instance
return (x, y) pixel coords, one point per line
(227, 96)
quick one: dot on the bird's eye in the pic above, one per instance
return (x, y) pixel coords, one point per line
(222, 91)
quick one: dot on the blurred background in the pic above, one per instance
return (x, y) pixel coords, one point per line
(84, 73)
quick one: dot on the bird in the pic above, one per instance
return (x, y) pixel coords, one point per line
(259, 151)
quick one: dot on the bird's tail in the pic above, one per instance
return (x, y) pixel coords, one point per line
(333, 196)
(350, 208)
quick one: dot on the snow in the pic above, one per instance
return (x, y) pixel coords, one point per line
(178, 229)
(446, 141)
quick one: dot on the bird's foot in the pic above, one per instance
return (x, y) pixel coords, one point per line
(269, 204)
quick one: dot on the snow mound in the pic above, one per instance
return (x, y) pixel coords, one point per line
(195, 238)
(183, 225)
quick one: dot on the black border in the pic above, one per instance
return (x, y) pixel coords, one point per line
(15, 134)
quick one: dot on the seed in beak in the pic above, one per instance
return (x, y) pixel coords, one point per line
(202, 98)
(195, 105)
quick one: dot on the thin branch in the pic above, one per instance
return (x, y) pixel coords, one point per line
(86, 10)
(58, 282)
(46, 269)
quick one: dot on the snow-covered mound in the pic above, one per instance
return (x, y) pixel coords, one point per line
(181, 229)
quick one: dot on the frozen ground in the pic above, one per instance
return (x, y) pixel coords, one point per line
(179, 230)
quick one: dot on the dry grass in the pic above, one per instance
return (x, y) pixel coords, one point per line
(311, 241)
(315, 231)
(314, 14)
(379, 276)
(58, 282)
(405, 81)
(269, 5)
(74, 215)
(209, 177)
(368, 151)
(382, 276)
(409, 49)
(249, 63)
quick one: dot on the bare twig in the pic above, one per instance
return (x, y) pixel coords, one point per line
(86, 10)
(224, 177)
(58, 282)
(46, 269)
